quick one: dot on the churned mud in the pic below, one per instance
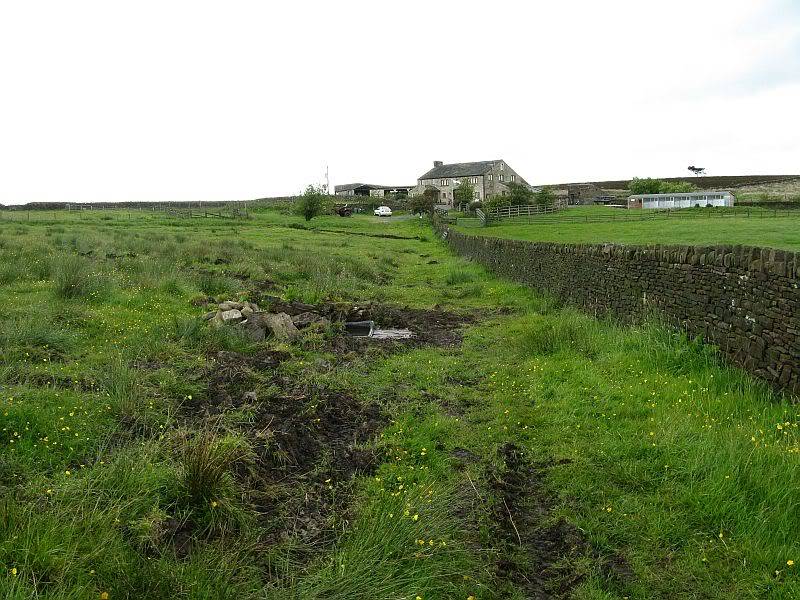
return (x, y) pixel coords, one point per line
(538, 552)
(308, 441)
(534, 548)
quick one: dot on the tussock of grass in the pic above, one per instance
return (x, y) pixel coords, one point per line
(123, 389)
(188, 330)
(10, 273)
(459, 276)
(214, 284)
(569, 331)
(206, 460)
(196, 333)
(73, 278)
(39, 335)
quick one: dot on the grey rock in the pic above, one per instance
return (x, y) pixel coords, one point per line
(230, 305)
(231, 316)
(250, 397)
(246, 311)
(253, 329)
(209, 315)
(280, 325)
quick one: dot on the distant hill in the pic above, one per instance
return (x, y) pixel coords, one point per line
(142, 205)
(704, 183)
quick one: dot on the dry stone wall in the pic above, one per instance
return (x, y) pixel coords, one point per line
(745, 300)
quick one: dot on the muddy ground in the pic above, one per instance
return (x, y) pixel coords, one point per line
(537, 550)
(434, 326)
(309, 441)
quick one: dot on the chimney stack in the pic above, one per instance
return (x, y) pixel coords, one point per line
(437, 163)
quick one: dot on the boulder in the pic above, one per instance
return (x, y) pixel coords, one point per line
(280, 325)
(247, 311)
(230, 305)
(209, 315)
(253, 329)
(231, 316)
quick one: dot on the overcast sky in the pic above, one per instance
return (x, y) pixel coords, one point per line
(169, 100)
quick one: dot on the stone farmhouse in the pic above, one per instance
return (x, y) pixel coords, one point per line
(488, 177)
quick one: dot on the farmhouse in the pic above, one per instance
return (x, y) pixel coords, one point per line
(488, 177)
(688, 200)
(368, 189)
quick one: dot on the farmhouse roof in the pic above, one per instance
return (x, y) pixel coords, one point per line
(460, 169)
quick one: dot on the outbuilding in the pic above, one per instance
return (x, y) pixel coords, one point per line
(685, 200)
(368, 189)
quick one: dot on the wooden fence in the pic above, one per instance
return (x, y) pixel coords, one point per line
(666, 214)
(515, 212)
(520, 214)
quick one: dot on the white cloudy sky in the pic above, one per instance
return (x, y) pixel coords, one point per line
(198, 100)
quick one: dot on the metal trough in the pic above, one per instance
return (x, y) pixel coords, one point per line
(359, 328)
(367, 329)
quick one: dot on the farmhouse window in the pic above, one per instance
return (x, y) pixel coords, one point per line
(500, 177)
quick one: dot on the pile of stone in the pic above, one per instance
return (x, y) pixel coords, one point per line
(258, 324)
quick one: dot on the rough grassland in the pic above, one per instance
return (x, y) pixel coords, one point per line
(759, 229)
(544, 455)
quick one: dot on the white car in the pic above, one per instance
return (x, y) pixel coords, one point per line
(383, 211)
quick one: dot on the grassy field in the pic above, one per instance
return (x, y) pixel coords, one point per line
(513, 449)
(760, 228)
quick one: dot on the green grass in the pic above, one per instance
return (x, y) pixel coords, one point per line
(708, 228)
(120, 475)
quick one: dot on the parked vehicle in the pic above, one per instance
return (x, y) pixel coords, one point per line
(383, 211)
(345, 211)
